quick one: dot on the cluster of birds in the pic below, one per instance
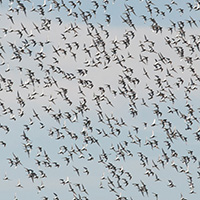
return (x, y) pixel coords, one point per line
(99, 99)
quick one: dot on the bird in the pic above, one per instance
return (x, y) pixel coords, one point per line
(19, 185)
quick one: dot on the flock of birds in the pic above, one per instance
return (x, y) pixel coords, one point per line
(99, 99)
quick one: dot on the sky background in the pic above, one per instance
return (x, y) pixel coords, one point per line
(102, 74)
